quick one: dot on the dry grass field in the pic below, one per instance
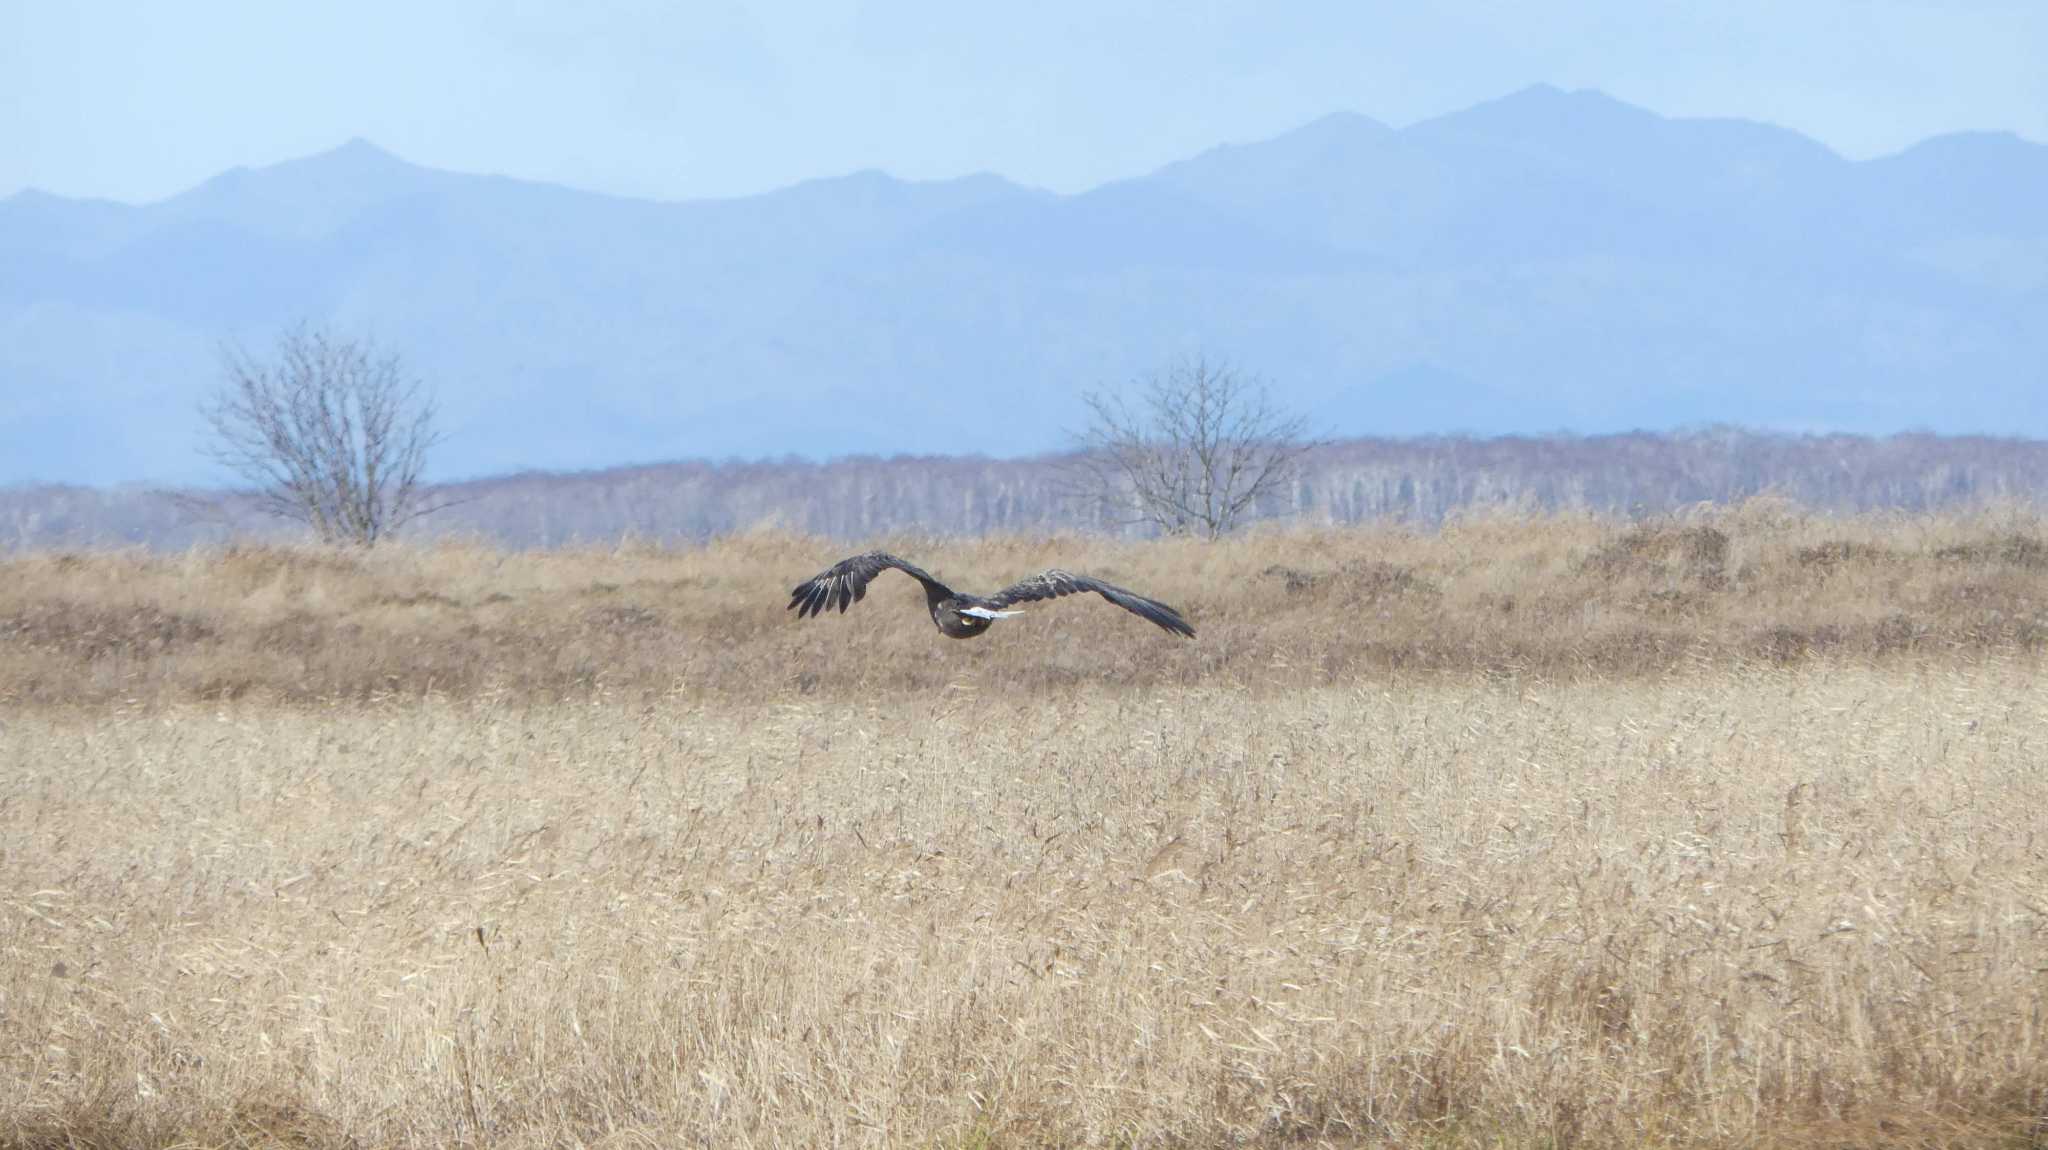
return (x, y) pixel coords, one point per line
(1727, 830)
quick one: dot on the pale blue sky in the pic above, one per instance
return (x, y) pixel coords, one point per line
(137, 100)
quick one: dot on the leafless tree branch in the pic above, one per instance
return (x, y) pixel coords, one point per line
(1203, 451)
(330, 433)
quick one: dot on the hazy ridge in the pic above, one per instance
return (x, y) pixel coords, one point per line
(1548, 260)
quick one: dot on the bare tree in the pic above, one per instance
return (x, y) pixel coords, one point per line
(1203, 448)
(330, 431)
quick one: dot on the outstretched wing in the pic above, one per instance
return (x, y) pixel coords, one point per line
(847, 582)
(1054, 584)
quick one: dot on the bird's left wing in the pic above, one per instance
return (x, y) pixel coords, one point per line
(1054, 584)
(847, 582)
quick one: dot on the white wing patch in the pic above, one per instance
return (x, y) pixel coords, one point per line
(985, 613)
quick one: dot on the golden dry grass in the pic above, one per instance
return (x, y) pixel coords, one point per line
(1550, 597)
(1555, 833)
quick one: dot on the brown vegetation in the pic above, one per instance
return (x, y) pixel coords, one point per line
(1726, 830)
(1550, 597)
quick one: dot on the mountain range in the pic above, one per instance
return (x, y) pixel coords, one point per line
(1549, 260)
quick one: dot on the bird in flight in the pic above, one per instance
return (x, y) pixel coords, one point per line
(961, 616)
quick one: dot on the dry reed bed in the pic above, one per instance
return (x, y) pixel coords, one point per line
(1725, 829)
(1549, 597)
(1742, 907)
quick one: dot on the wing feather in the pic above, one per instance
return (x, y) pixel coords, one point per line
(846, 582)
(1056, 584)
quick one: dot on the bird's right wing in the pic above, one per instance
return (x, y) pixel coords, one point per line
(1055, 584)
(846, 582)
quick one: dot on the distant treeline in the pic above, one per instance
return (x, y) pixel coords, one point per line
(1412, 480)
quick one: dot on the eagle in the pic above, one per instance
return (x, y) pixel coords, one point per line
(961, 616)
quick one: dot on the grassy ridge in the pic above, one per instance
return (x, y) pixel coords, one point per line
(1548, 597)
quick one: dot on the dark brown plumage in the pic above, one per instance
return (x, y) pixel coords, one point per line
(961, 616)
